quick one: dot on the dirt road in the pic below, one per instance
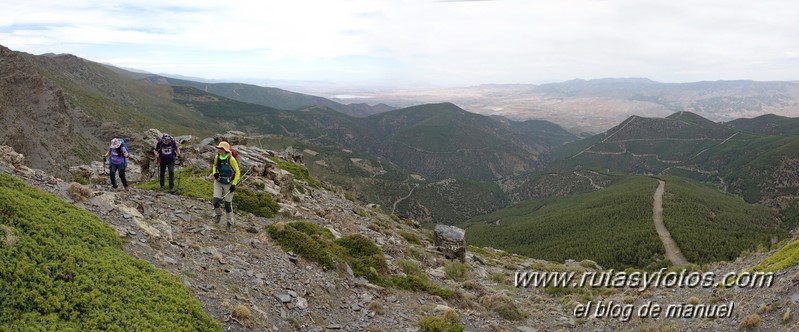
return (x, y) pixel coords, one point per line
(673, 252)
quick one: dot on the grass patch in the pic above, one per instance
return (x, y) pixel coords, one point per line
(67, 272)
(79, 179)
(439, 324)
(410, 237)
(421, 283)
(457, 271)
(299, 172)
(410, 267)
(504, 307)
(188, 182)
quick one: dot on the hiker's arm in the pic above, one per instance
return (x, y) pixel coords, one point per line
(125, 152)
(177, 148)
(235, 164)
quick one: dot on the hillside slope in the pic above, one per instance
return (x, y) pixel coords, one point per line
(760, 168)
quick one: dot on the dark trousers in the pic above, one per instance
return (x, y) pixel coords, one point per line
(162, 168)
(113, 171)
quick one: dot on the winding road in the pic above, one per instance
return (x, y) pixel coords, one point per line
(394, 208)
(673, 252)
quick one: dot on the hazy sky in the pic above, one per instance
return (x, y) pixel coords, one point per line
(419, 42)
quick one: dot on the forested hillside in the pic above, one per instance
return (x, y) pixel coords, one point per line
(614, 225)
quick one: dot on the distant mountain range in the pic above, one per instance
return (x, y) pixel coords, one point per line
(592, 106)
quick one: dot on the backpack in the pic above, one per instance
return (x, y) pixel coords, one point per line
(225, 170)
(235, 155)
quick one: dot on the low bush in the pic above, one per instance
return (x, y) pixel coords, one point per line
(66, 271)
(457, 271)
(257, 203)
(410, 237)
(439, 324)
(421, 283)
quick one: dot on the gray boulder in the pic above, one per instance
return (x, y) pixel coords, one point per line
(451, 241)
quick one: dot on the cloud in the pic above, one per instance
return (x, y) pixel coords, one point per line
(423, 41)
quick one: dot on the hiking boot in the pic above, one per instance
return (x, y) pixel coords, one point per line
(172, 191)
(229, 225)
(217, 218)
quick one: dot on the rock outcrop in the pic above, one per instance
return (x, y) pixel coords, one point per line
(451, 241)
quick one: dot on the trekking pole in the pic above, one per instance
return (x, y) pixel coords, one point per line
(105, 163)
(180, 177)
(244, 177)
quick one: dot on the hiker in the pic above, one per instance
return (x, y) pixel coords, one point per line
(226, 174)
(165, 151)
(118, 160)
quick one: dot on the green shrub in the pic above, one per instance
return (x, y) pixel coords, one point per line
(365, 258)
(299, 187)
(410, 237)
(79, 179)
(313, 229)
(439, 324)
(67, 272)
(505, 308)
(417, 254)
(421, 283)
(750, 322)
(301, 243)
(316, 244)
(410, 267)
(786, 257)
(457, 271)
(257, 203)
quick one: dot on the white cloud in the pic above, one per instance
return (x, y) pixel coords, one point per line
(428, 41)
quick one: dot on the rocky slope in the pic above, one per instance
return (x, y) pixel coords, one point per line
(247, 281)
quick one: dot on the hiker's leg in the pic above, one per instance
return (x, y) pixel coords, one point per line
(218, 201)
(122, 177)
(228, 212)
(171, 166)
(228, 205)
(112, 171)
(161, 169)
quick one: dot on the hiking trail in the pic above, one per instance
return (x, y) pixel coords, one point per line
(673, 252)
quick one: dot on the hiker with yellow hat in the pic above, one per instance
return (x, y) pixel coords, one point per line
(226, 175)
